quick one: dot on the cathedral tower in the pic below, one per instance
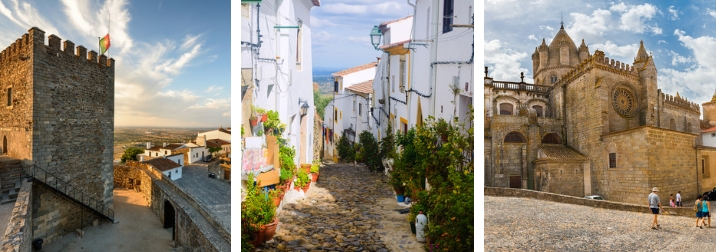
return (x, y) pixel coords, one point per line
(549, 63)
(648, 81)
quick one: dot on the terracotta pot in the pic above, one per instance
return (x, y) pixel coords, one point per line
(264, 117)
(253, 122)
(258, 239)
(305, 188)
(295, 187)
(399, 190)
(277, 200)
(269, 230)
(307, 167)
(314, 177)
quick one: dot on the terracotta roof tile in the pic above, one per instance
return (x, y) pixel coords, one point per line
(394, 44)
(362, 88)
(216, 143)
(558, 153)
(712, 129)
(162, 164)
(354, 69)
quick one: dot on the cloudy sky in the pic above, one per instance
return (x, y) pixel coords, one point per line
(341, 30)
(680, 35)
(172, 57)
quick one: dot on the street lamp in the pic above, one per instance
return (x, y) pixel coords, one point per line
(304, 107)
(375, 35)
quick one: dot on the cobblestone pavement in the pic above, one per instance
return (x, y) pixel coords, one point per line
(5, 215)
(524, 224)
(213, 195)
(348, 209)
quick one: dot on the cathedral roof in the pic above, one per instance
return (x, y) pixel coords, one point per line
(641, 55)
(560, 39)
(556, 152)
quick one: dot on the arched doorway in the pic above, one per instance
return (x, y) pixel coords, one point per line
(4, 145)
(169, 217)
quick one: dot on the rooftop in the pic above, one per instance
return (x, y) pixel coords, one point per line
(558, 152)
(712, 129)
(354, 69)
(363, 88)
(162, 164)
(216, 143)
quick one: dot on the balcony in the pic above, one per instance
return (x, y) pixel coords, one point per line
(518, 86)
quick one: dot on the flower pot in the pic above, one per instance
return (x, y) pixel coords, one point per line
(307, 167)
(305, 188)
(314, 177)
(401, 198)
(399, 191)
(277, 201)
(295, 187)
(253, 122)
(269, 230)
(264, 117)
(412, 227)
(258, 239)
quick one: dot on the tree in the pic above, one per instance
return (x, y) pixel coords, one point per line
(213, 150)
(320, 101)
(131, 154)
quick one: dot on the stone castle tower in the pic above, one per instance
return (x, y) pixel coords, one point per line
(57, 114)
(710, 111)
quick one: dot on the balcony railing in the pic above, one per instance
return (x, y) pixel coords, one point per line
(505, 85)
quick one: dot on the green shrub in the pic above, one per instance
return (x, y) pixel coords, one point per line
(370, 151)
(131, 154)
(345, 149)
(257, 209)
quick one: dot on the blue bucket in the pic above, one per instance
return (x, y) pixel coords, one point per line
(401, 198)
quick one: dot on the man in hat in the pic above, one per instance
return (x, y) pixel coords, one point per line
(654, 205)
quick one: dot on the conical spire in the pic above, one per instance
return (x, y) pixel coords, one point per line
(641, 55)
(583, 46)
(713, 99)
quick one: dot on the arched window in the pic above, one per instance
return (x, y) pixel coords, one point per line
(553, 78)
(506, 109)
(672, 124)
(538, 109)
(515, 137)
(551, 138)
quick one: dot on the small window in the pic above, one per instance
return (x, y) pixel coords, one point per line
(448, 6)
(360, 109)
(505, 109)
(515, 137)
(9, 96)
(538, 109)
(176, 171)
(553, 78)
(612, 160)
(713, 134)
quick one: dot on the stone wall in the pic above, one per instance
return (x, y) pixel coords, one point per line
(16, 120)
(640, 208)
(707, 168)
(142, 182)
(560, 177)
(54, 216)
(18, 235)
(318, 137)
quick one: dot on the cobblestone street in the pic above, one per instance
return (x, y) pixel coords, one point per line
(524, 224)
(348, 209)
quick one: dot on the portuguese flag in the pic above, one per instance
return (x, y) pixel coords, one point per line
(104, 44)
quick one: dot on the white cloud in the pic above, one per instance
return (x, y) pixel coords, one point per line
(184, 94)
(711, 12)
(504, 62)
(213, 104)
(341, 8)
(214, 89)
(546, 27)
(625, 53)
(590, 27)
(662, 41)
(697, 80)
(321, 22)
(678, 59)
(674, 13)
(634, 16)
(532, 37)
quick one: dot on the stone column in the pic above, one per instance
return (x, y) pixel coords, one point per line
(524, 166)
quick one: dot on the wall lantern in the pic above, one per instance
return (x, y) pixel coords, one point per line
(375, 35)
(304, 107)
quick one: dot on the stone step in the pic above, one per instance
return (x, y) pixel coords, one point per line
(5, 199)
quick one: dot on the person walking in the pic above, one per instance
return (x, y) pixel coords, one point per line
(705, 210)
(698, 207)
(678, 199)
(671, 200)
(654, 205)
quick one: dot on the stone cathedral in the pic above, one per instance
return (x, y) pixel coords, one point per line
(590, 125)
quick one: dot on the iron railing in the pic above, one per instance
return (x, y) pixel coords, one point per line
(64, 188)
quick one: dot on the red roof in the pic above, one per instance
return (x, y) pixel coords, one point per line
(216, 143)
(354, 69)
(362, 88)
(162, 164)
(712, 129)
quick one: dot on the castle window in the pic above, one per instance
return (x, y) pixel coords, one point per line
(538, 109)
(551, 138)
(515, 137)
(553, 78)
(705, 171)
(672, 124)
(9, 96)
(505, 109)
(448, 6)
(612, 160)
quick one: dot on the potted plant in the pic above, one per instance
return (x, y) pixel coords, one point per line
(314, 170)
(259, 211)
(276, 195)
(260, 133)
(260, 113)
(253, 120)
(303, 182)
(272, 122)
(306, 167)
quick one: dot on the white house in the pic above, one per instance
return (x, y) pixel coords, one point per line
(708, 136)
(224, 145)
(196, 152)
(220, 133)
(276, 68)
(166, 166)
(177, 158)
(392, 82)
(164, 150)
(342, 113)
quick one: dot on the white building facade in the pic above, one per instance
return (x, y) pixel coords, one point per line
(276, 67)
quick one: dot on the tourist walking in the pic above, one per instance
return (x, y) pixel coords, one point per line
(654, 205)
(678, 199)
(705, 210)
(698, 208)
(671, 200)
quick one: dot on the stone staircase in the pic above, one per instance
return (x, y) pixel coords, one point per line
(11, 174)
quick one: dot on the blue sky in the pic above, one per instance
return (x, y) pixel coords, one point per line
(678, 33)
(341, 30)
(172, 57)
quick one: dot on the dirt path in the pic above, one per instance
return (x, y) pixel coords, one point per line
(348, 209)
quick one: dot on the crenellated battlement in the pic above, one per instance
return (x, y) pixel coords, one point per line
(21, 49)
(680, 102)
(600, 61)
